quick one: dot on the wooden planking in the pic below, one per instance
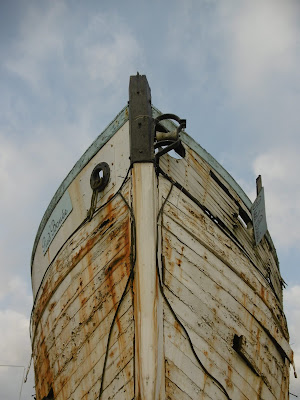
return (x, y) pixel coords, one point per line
(79, 331)
(273, 329)
(179, 261)
(217, 320)
(66, 266)
(193, 173)
(245, 236)
(119, 369)
(201, 265)
(260, 253)
(233, 261)
(201, 275)
(87, 283)
(213, 350)
(173, 392)
(182, 367)
(189, 218)
(178, 351)
(196, 179)
(85, 296)
(214, 294)
(71, 254)
(86, 370)
(178, 383)
(83, 359)
(95, 331)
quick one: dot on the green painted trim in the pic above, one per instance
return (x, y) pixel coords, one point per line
(98, 143)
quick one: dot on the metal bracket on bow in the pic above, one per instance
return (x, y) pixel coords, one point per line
(171, 140)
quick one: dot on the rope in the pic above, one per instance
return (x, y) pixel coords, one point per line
(93, 204)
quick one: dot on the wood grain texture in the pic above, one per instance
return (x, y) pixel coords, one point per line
(217, 293)
(194, 174)
(76, 306)
(149, 358)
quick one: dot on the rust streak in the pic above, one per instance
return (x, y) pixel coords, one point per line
(228, 380)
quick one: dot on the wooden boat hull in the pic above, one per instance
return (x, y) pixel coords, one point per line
(162, 293)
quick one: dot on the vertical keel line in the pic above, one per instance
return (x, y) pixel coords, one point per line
(149, 355)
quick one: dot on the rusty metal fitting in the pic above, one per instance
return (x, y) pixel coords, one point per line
(98, 182)
(174, 135)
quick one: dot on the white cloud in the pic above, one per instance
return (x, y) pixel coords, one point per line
(246, 47)
(263, 43)
(109, 50)
(40, 40)
(30, 171)
(292, 310)
(26, 171)
(103, 49)
(104, 62)
(14, 293)
(280, 170)
(15, 340)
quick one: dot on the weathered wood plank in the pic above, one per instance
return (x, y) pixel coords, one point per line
(194, 174)
(173, 392)
(107, 235)
(197, 180)
(87, 283)
(225, 288)
(76, 249)
(187, 374)
(221, 323)
(90, 358)
(202, 264)
(235, 299)
(214, 352)
(149, 358)
(230, 370)
(118, 391)
(189, 218)
(83, 347)
(83, 306)
(180, 386)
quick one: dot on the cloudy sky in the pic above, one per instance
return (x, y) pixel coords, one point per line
(230, 68)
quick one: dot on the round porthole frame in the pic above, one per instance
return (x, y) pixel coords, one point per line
(96, 182)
